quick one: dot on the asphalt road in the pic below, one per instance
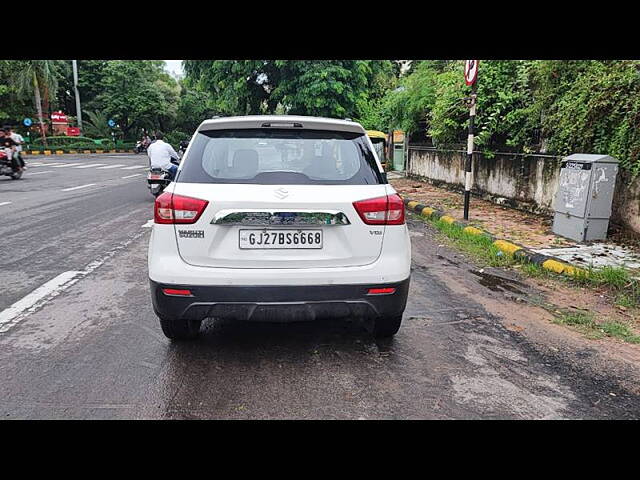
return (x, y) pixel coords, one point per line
(93, 348)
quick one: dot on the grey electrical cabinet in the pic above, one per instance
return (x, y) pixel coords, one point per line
(583, 201)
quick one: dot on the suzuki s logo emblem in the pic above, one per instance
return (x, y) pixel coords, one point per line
(281, 193)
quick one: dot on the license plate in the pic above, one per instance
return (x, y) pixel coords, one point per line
(155, 177)
(280, 239)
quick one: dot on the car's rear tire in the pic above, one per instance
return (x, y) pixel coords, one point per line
(386, 326)
(180, 329)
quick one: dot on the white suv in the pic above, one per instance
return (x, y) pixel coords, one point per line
(279, 218)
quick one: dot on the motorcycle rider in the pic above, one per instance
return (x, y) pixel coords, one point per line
(16, 137)
(160, 154)
(9, 147)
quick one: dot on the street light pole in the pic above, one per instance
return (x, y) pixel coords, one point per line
(75, 87)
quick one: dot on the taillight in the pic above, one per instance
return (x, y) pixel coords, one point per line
(381, 291)
(171, 208)
(387, 210)
(175, 292)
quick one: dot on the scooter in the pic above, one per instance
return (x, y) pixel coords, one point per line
(158, 179)
(140, 147)
(183, 148)
(6, 168)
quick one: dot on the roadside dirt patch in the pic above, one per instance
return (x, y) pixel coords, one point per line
(534, 231)
(599, 301)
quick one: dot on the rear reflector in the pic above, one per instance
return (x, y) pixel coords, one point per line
(176, 292)
(387, 210)
(172, 208)
(381, 291)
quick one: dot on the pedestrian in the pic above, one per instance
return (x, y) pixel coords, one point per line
(20, 141)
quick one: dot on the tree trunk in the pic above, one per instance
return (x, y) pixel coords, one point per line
(36, 90)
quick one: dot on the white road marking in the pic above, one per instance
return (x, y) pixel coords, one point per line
(91, 165)
(149, 224)
(43, 294)
(62, 165)
(51, 288)
(77, 188)
(48, 164)
(4, 203)
(135, 166)
(134, 175)
(38, 173)
(111, 166)
(36, 164)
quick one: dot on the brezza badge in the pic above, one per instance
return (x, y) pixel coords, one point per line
(191, 233)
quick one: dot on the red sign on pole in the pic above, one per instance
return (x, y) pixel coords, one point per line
(470, 71)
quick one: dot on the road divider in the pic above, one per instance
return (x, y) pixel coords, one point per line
(75, 152)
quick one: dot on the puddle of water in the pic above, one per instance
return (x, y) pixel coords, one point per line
(496, 283)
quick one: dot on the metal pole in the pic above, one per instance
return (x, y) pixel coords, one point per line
(75, 87)
(468, 171)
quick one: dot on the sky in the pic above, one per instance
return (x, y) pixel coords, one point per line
(174, 67)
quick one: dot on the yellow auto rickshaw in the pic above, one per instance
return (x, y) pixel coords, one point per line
(379, 141)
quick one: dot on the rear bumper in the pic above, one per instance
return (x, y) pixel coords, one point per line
(279, 303)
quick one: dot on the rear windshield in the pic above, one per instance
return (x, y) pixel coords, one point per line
(280, 156)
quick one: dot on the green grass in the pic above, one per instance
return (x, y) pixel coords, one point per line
(534, 270)
(479, 247)
(586, 323)
(625, 300)
(615, 277)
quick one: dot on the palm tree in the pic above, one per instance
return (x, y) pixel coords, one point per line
(36, 76)
(97, 125)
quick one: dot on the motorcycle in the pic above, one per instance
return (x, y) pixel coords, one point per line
(6, 168)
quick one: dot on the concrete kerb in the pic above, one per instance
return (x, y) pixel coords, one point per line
(31, 153)
(519, 252)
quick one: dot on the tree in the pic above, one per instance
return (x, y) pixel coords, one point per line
(194, 106)
(407, 107)
(331, 88)
(36, 77)
(12, 108)
(96, 125)
(137, 94)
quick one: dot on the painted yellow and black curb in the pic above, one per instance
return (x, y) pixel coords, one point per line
(519, 252)
(73, 152)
